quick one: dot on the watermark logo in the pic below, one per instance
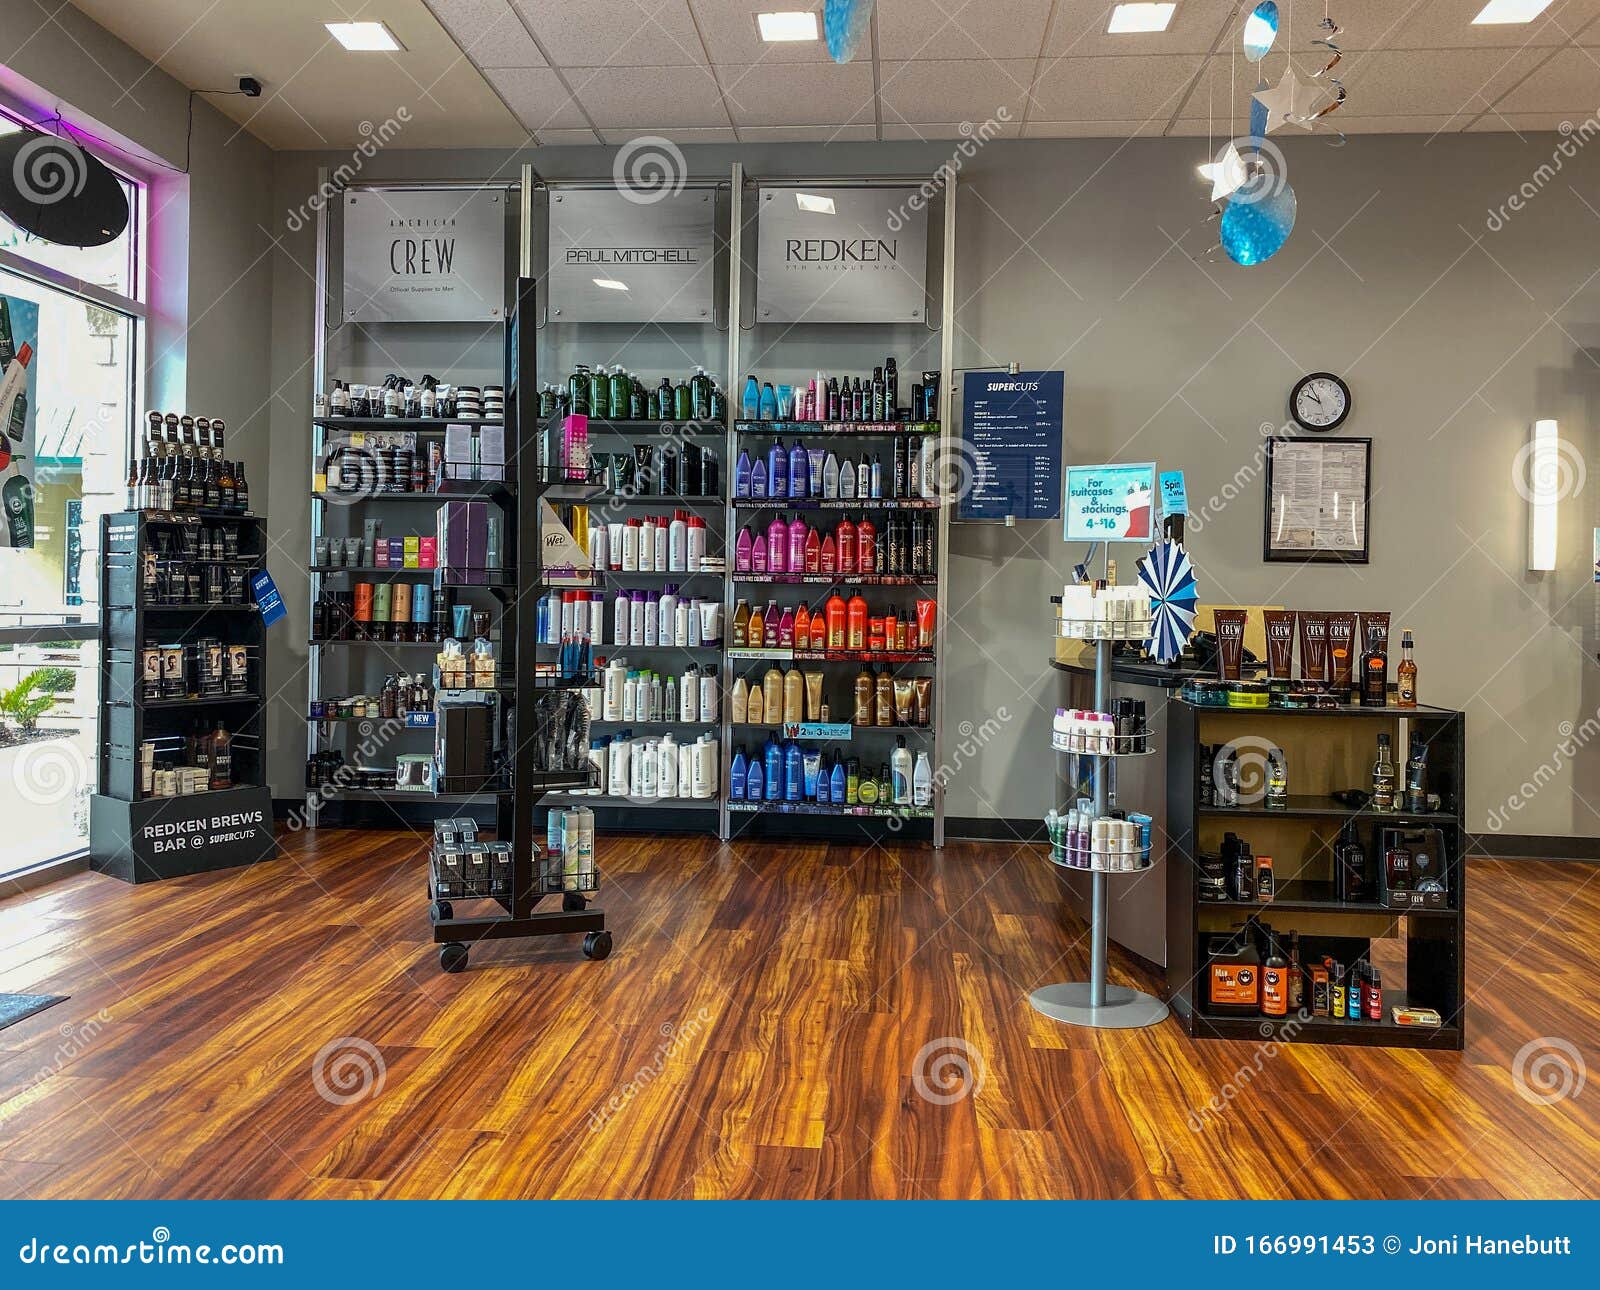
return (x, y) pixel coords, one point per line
(1275, 1035)
(1249, 170)
(347, 1070)
(1548, 1070)
(374, 138)
(675, 1039)
(649, 169)
(1543, 472)
(48, 170)
(947, 1070)
(973, 138)
(50, 773)
(1241, 770)
(950, 471)
(1573, 139)
(1573, 739)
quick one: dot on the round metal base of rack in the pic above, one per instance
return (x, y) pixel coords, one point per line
(1124, 1008)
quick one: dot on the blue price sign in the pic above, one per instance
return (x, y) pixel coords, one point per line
(1110, 503)
(1011, 422)
(268, 601)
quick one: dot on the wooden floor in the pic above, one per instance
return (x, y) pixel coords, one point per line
(762, 1029)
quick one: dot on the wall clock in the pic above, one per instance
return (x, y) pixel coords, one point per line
(1319, 402)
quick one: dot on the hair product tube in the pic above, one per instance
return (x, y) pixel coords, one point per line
(1313, 646)
(1341, 648)
(813, 696)
(1280, 643)
(1230, 641)
(1374, 624)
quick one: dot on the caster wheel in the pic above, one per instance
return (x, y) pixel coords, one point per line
(442, 911)
(453, 957)
(572, 902)
(597, 945)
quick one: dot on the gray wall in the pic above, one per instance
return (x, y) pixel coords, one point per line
(1453, 338)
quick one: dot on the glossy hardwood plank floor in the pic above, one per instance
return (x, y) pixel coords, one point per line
(778, 1019)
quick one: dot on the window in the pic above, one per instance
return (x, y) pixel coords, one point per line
(79, 311)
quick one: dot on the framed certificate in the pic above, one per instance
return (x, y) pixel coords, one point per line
(1319, 493)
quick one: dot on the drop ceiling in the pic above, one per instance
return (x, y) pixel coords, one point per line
(554, 72)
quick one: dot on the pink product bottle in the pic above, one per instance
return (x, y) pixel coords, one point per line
(786, 628)
(575, 447)
(777, 545)
(798, 529)
(741, 551)
(758, 556)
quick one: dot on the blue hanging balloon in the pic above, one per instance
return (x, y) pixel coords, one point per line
(1254, 231)
(844, 25)
(1260, 30)
(1258, 118)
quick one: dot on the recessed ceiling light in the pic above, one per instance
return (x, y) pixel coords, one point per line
(1140, 17)
(811, 202)
(363, 37)
(1506, 11)
(611, 284)
(790, 25)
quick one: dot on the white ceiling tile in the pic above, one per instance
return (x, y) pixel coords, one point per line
(537, 96)
(703, 135)
(968, 29)
(796, 94)
(1520, 123)
(808, 133)
(1129, 88)
(1394, 82)
(488, 32)
(728, 28)
(625, 97)
(1569, 82)
(615, 33)
(952, 130)
(567, 138)
(1447, 24)
(973, 90)
(1091, 129)
(1080, 30)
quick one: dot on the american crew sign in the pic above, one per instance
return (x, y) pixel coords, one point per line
(844, 255)
(424, 255)
(616, 258)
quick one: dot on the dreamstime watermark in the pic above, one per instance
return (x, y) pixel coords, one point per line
(676, 1039)
(1241, 769)
(974, 137)
(374, 736)
(1574, 139)
(1545, 471)
(347, 1070)
(76, 1037)
(1276, 1035)
(374, 139)
(50, 772)
(1573, 740)
(1242, 480)
(947, 1070)
(649, 169)
(1548, 1070)
(1250, 170)
(48, 169)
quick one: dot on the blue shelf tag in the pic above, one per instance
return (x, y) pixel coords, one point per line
(268, 601)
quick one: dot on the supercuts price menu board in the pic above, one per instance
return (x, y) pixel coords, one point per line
(1012, 425)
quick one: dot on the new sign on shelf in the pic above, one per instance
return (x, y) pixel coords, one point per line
(1111, 503)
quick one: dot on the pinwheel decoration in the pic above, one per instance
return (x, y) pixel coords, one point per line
(1169, 578)
(844, 26)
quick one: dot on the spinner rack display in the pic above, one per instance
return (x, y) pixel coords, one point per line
(532, 878)
(1095, 1002)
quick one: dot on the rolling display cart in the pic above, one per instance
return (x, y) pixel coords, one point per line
(183, 648)
(1095, 1002)
(514, 872)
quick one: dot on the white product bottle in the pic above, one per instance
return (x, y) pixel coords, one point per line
(630, 697)
(661, 546)
(619, 619)
(587, 877)
(649, 767)
(900, 772)
(654, 713)
(635, 619)
(680, 623)
(597, 618)
(571, 844)
(922, 782)
(630, 547)
(647, 545)
(615, 688)
(696, 540)
(597, 758)
(686, 756)
(678, 544)
(705, 766)
(667, 618)
(636, 755)
(597, 546)
(847, 480)
(830, 477)
(652, 618)
(708, 697)
(667, 772)
(617, 768)
(691, 627)
(689, 695)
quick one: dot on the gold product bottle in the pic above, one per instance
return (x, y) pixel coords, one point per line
(864, 697)
(741, 702)
(755, 710)
(885, 689)
(794, 695)
(772, 694)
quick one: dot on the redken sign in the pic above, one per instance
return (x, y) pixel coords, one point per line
(424, 255)
(841, 255)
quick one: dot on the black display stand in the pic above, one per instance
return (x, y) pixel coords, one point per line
(1336, 744)
(517, 804)
(142, 838)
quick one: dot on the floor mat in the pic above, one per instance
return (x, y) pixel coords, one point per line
(15, 1007)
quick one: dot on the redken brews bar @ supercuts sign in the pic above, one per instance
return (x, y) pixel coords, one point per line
(424, 255)
(841, 255)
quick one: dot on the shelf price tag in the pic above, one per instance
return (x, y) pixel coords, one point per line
(268, 601)
(817, 730)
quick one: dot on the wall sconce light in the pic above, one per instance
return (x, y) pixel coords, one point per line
(1544, 494)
